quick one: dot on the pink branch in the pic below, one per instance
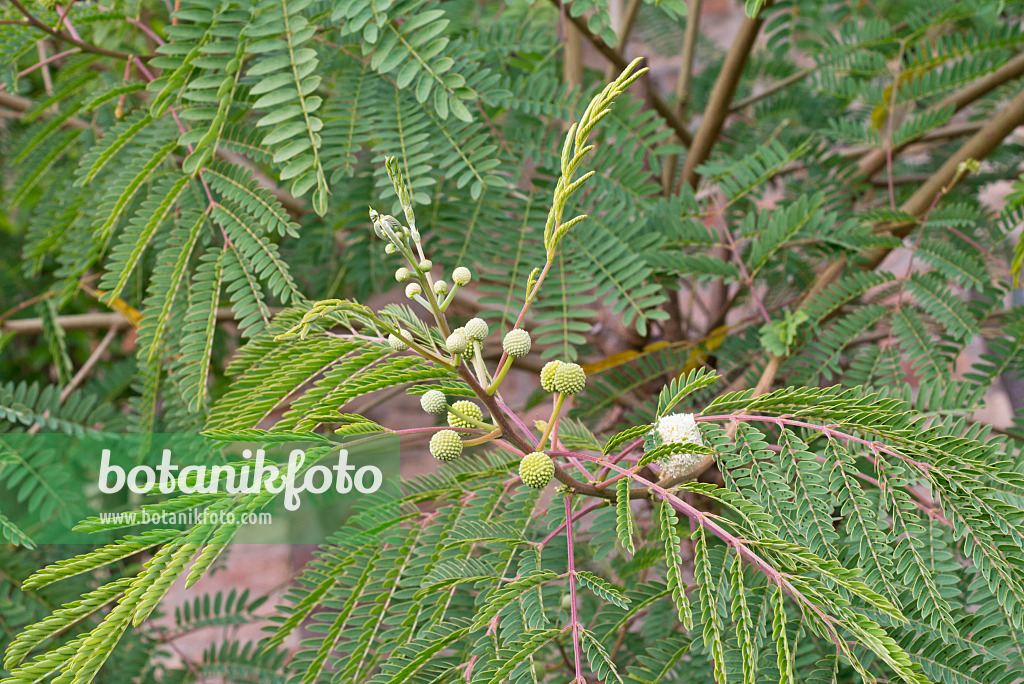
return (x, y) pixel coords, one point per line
(582, 512)
(48, 60)
(145, 29)
(43, 62)
(574, 614)
(66, 21)
(148, 75)
(746, 276)
(827, 430)
(618, 457)
(737, 544)
(513, 417)
(526, 305)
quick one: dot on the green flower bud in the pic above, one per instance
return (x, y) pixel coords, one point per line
(446, 445)
(412, 289)
(547, 375)
(468, 408)
(461, 275)
(517, 343)
(536, 469)
(384, 224)
(440, 287)
(426, 265)
(402, 274)
(434, 403)
(390, 248)
(569, 379)
(397, 343)
(477, 329)
(457, 343)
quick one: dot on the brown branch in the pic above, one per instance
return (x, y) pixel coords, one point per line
(35, 22)
(683, 85)
(87, 321)
(628, 21)
(978, 147)
(294, 206)
(87, 367)
(721, 97)
(772, 89)
(947, 132)
(615, 57)
(25, 304)
(874, 161)
(21, 105)
(572, 64)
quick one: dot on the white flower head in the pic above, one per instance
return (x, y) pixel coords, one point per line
(679, 428)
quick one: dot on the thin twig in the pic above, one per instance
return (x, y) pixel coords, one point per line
(684, 80)
(875, 160)
(772, 89)
(87, 367)
(88, 47)
(721, 98)
(577, 645)
(615, 57)
(625, 28)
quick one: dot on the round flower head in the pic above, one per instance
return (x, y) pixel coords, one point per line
(536, 469)
(457, 343)
(426, 265)
(440, 287)
(433, 402)
(390, 248)
(402, 274)
(477, 329)
(446, 445)
(397, 343)
(547, 375)
(468, 408)
(679, 428)
(412, 289)
(461, 275)
(569, 378)
(517, 343)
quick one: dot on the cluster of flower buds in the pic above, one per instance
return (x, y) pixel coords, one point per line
(466, 344)
(562, 378)
(434, 295)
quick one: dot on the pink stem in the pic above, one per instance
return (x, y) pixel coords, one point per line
(67, 22)
(48, 60)
(618, 457)
(514, 418)
(746, 277)
(581, 468)
(582, 512)
(148, 75)
(737, 544)
(526, 305)
(145, 29)
(622, 454)
(43, 62)
(498, 442)
(827, 430)
(574, 615)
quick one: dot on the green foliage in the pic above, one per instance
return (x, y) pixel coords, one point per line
(203, 172)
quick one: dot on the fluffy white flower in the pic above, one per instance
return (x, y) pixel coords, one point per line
(679, 428)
